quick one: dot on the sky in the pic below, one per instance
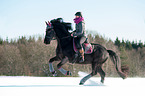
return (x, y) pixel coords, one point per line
(124, 19)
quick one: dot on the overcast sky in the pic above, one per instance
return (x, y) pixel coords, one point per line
(110, 18)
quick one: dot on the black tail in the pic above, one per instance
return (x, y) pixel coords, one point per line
(116, 61)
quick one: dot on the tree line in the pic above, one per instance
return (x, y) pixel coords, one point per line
(129, 45)
(29, 56)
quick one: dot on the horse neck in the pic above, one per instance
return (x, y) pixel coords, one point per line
(63, 42)
(58, 43)
(61, 31)
(62, 34)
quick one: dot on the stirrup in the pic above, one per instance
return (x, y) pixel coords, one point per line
(81, 59)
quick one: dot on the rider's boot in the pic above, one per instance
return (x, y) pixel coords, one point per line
(81, 54)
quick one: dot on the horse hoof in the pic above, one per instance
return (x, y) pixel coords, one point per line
(54, 73)
(81, 83)
(102, 81)
(69, 73)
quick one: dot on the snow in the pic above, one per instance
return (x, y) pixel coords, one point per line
(65, 86)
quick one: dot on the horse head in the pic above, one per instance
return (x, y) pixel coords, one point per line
(50, 34)
(56, 28)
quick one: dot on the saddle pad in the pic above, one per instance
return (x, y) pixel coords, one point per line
(86, 46)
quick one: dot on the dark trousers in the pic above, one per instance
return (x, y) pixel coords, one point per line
(79, 41)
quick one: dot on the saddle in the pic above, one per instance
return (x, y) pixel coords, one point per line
(88, 49)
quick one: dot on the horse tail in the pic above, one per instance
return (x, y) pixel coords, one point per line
(116, 60)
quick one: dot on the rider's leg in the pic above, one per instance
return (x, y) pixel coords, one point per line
(81, 50)
(81, 53)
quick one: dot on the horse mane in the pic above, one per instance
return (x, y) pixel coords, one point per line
(65, 26)
(62, 32)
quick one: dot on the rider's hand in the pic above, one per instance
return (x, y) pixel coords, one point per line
(73, 35)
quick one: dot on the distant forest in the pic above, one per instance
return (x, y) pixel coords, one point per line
(28, 56)
(129, 45)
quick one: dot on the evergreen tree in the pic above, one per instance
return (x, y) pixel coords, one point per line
(128, 45)
(31, 39)
(123, 43)
(134, 45)
(117, 42)
(1, 41)
(22, 40)
(40, 38)
(140, 44)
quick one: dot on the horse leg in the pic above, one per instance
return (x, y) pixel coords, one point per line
(59, 66)
(94, 72)
(85, 79)
(51, 69)
(102, 73)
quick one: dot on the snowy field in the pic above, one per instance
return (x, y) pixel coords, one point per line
(69, 86)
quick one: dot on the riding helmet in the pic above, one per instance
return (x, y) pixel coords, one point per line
(78, 14)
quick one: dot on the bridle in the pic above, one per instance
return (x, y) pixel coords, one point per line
(50, 29)
(65, 37)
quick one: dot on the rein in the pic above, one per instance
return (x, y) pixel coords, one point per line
(49, 37)
(65, 37)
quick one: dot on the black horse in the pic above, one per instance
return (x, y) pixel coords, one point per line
(65, 52)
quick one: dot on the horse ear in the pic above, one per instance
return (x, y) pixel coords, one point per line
(49, 23)
(46, 23)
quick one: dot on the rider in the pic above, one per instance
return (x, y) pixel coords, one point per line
(79, 34)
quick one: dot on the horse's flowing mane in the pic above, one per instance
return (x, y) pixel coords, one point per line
(61, 26)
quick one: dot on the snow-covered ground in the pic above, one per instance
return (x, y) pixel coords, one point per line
(69, 86)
